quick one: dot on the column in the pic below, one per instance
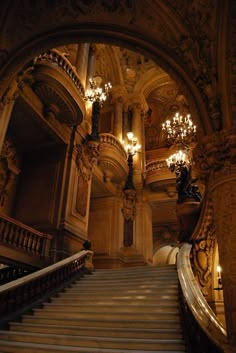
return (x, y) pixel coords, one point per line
(118, 121)
(137, 130)
(215, 158)
(90, 67)
(82, 61)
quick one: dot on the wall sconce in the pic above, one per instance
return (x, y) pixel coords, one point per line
(219, 280)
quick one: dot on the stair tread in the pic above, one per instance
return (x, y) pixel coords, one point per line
(131, 310)
(137, 330)
(97, 338)
(80, 349)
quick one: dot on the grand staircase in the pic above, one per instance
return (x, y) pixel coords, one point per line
(111, 311)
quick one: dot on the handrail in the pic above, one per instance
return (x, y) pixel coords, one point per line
(21, 236)
(54, 56)
(18, 295)
(110, 139)
(198, 305)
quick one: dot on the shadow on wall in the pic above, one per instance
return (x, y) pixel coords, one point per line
(166, 255)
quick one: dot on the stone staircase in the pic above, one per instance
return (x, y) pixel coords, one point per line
(111, 311)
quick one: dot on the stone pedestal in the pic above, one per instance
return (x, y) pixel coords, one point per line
(129, 256)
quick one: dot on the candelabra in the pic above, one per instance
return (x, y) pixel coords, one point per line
(132, 148)
(129, 192)
(97, 96)
(180, 130)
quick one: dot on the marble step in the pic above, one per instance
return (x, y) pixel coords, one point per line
(174, 333)
(107, 291)
(139, 284)
(118, 323)
(125, 300)
(47, 312)
(96, 308)
(24, 347)
(93, 341)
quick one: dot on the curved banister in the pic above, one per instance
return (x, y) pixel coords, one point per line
(198, 305)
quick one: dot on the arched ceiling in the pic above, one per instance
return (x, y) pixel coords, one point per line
(138, 75)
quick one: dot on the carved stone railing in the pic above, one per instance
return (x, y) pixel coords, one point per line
(201, 323)
(111, 140)
(21, 236)
(157, 175)
(25, 293)
(54, 56)
(155, 165)
(112, 159)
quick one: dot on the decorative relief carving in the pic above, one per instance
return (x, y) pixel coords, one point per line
(8, 169)
(129, 202)
(202, 253)
(87, 155)
(203, 248)
(215, 153)
(198, 50)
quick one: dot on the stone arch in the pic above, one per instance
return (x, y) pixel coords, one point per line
(108, 22)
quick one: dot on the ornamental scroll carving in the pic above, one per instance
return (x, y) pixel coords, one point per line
(87, 155)
(203, 250)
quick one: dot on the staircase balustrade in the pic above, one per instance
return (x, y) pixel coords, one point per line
(202, 327)
(22, 294)
(10, 273)
(54, 56)
(23, 237)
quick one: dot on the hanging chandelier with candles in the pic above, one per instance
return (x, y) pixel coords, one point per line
(95, 93)
(180, 130)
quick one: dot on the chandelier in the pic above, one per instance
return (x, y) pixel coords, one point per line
(178, 159)
(95, 93)
(180, 130)
(133, 146)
